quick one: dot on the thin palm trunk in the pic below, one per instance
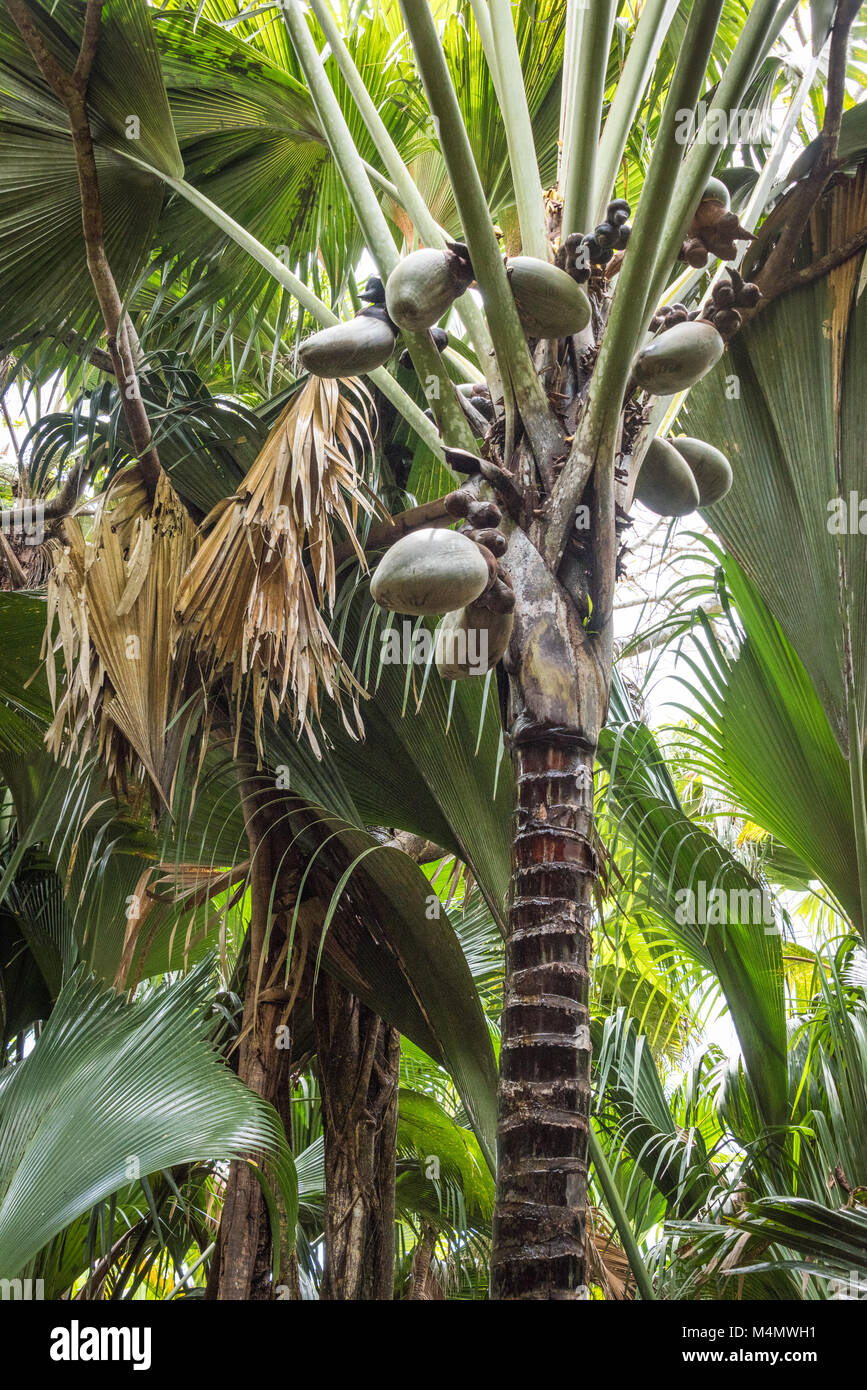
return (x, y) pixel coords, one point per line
(242, 1263)
(358, 1057)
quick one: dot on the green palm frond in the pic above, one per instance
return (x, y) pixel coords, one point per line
(139, 1074)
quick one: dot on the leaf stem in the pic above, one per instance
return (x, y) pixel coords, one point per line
(371, 219)
(519, 129)
(621, 1218)
(520, 379)
(584, 102)
(647, 41)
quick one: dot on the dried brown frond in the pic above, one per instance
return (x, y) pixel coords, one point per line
(607, 1261)
(253, 595)
(190, 886)
(113, 595)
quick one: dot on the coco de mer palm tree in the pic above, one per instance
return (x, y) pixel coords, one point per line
(566, 424)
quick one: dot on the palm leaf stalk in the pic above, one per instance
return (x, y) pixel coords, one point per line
(519, 377)
(647, 40)
(371, 218)
(405, 191)
(582, 100)
(620, 1215)
(502, 54)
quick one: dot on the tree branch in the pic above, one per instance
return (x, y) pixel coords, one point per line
(823, 266)
(777, 268)
(387, 532)
(71, 90)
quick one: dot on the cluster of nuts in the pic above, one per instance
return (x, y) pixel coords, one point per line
(667, 315)
(482, 520)
(727, 299)
(722, 309)
(578, 253)
(713, 232)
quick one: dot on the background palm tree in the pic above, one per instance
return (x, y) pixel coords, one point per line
(220, 277)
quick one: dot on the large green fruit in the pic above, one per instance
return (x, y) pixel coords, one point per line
(710, 468)
(550, 303)
(472, 641)
(346, 349)
(717, 189)
(665, 482)
(423, 286)
(430, 571)
(678, 358)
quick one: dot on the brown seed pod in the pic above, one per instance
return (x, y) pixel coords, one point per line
(484, 514)
(727, 322)
(569, 250)
(694, 252)
(481, 401)
(724, 295)
(710, 213)
(749, 296)
(492, 540)
(491, 562)
(501, 598)
(457, 504)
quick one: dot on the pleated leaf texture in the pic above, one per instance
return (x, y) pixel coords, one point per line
(139, 1076)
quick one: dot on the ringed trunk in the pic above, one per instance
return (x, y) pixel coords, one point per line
(557, 700)
(544, 1089)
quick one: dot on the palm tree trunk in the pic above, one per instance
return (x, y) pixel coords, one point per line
(358, 1056)
(423, 1284)
(241, 1266)
(557, 702)
(544, 1091)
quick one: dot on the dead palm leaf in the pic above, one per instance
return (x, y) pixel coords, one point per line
(254, 592)
(607, 1260)
(113, 595)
